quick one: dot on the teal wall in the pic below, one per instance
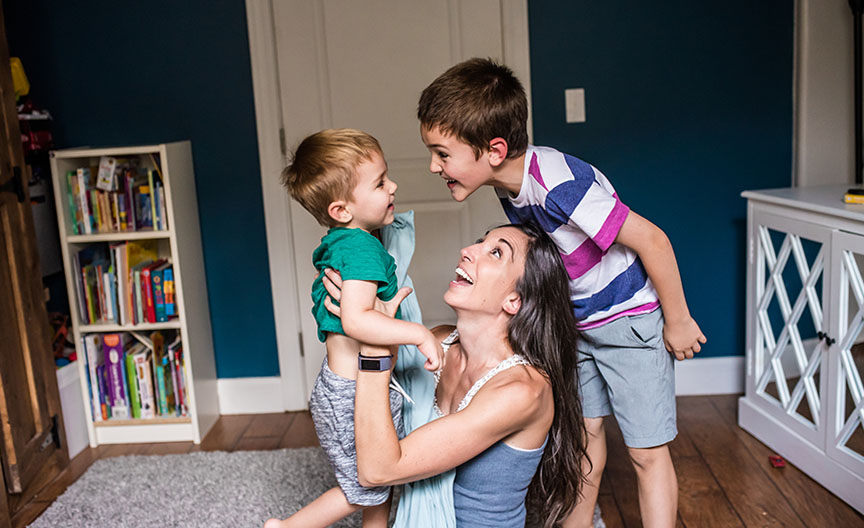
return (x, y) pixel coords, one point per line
(120, 73)
(688, 103)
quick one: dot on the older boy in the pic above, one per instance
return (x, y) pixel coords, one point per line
(340, 177)
(621, 267)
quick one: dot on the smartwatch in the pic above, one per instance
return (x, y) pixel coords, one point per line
(374, 363)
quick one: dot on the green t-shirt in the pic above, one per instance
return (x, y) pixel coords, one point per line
(356, 255)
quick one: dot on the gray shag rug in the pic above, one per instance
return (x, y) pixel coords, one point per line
(216, 488)
(213, 489)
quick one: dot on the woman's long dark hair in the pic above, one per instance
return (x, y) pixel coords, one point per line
(544, 331)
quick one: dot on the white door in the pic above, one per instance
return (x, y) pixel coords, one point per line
(343, 63)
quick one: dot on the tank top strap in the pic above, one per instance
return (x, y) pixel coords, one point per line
(445, 346)
(512, 361)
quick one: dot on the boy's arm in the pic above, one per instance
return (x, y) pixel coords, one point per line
(681, 334)
(362, 322)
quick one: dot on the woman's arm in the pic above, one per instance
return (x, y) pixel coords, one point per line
(382, 459)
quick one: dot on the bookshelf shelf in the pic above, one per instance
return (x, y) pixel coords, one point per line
(143, 421)
(179, 245)
(117, 237)
(141, 327)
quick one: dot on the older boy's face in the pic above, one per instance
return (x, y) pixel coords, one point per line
(454, 161)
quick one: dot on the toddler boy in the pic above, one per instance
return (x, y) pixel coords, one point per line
(340, 177)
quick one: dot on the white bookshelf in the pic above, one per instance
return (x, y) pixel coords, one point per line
(182, 243)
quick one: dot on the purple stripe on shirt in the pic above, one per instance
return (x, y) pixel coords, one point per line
(534, 170)
(582, 259)
(606, 236)
(638, 310)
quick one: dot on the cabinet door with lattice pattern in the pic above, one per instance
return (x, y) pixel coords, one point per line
(845, 401)
(787, 344)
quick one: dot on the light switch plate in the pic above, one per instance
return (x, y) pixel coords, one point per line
(574, 102)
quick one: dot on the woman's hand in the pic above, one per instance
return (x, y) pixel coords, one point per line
(332, 281)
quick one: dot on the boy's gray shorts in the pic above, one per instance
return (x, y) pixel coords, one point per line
(624, 369)
(332, 409)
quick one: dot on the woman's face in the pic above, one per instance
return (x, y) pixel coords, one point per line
(488, 271)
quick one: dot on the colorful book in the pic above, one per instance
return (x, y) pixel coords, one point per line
(157, 277)
(144, 377)
(105, 176)
(158, 341)
(132, 381)
(147, 290)
(112, 346)
(93, 348)
(168, 289)
(83, 175)
(103, 391)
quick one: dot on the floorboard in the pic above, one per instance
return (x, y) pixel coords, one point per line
(724, 476)
(815, 505)
(743, 480)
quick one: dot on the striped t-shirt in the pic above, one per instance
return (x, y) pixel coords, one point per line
(575, 203)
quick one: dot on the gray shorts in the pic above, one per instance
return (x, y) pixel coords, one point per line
(332, 409)
(624, 369)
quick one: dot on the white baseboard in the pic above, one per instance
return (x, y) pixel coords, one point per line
(250, 395)
(715, 375)
(720, 375)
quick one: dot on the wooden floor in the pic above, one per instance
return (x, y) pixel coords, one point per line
(724, 474)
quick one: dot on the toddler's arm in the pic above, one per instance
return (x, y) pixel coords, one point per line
(681, 334)
(362, 322)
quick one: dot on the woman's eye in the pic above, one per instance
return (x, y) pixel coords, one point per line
(496, 252)
(442, 155)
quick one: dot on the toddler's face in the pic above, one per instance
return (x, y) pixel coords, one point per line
(371, 203)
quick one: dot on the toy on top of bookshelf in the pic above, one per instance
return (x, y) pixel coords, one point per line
(123, 196)
(136, 376)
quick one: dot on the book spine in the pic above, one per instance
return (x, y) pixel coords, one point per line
(113, 349)
(147, 290)
(163, 216)
(181, 380)
(132, 383)
(168, 289)
(139, 308)
(83, 205)
(153, 208)
(145, 384)
(103, 392)
(73, 207)
(131, 217)
(156, 277)
(160, 388)
(93, 345)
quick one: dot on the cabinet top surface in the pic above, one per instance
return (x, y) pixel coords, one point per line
(825, 199)
(82, 152)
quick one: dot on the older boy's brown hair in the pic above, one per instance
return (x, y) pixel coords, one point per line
(322, 169)
(477, 101)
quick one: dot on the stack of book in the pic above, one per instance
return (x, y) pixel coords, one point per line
(117, 196)
(135, 376)
(124, 283)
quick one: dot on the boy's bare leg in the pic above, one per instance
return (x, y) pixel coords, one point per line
(377, 516)
(582, 515)
(658, 486)
(327, 509)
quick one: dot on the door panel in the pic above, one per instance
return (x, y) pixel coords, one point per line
(363, 65)
(29, 397)
(845, 424)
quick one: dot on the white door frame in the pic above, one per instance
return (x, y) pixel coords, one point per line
(277, 204)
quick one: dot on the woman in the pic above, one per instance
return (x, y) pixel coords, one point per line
(509, 412)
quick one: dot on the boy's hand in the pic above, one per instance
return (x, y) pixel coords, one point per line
(431, 348)
(683, 339)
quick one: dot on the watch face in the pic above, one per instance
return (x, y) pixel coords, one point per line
(370, 364)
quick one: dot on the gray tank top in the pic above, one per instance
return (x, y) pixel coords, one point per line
(490, 489)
